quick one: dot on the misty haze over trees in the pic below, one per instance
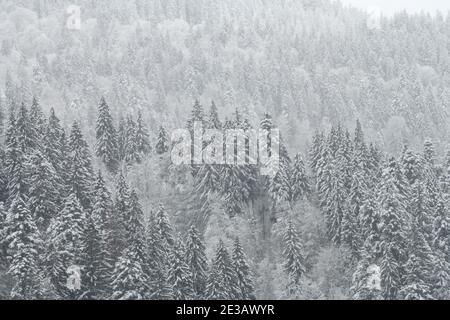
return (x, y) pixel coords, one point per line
(91, 206)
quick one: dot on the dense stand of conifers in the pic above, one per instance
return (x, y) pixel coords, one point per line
(56, 213)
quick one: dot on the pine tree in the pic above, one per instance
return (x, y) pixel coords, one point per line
(106, 146)
(197, 263)
(80, 167)
(44, 192)
(243, 275)
(162, 145)
(24, 242)
(142, 137)
(179, 275)
(294, 262)
(222, 281)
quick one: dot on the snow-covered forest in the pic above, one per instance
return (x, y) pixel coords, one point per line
(92, 207)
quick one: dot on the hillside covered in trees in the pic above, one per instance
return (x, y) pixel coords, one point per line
(359, 208)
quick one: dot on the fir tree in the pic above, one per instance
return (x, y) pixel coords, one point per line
(197, 263)
(243, 275)
(106, 146)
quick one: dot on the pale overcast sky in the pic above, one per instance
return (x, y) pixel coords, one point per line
(389, 7)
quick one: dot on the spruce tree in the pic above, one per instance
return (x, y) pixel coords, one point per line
(44, 194)
(163, 141)
(299, 181)
(102, 227)
(80, 167)
(163, 225)
(213, 120)
(243, 274)
(14, 163)
(294, 262)
(37, 119)
(179, 275)
(393, 227)
(66, 245)
(222, 280)
(197, 263)
(142, 137)
(121, 209)
(24, 243)
(106, 146)
(52, 143)
(158, 257)
(197, 115)
(130, 282)
(132, 155)
(135, 231)
(419, 267)
(27, 137)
